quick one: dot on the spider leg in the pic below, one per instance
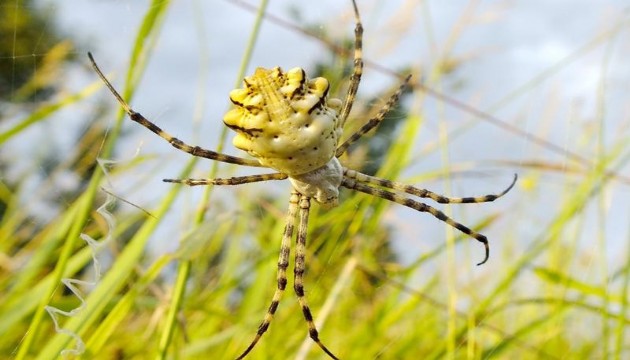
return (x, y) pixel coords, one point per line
(283, 264)
(229, 181)
(175, 142)
(423, 193)
(373, 122)
(416, 205)
(300, 267)
(355, 79)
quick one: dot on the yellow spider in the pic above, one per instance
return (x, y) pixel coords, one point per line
(287, 123)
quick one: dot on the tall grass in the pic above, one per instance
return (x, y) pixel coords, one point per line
(550, 289)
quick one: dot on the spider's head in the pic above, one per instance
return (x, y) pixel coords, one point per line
(285, 120)
(321, 184)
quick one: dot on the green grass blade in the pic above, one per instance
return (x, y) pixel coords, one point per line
(44, 112)
(113, 280)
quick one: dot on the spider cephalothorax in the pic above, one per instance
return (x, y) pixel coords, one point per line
(289, 125)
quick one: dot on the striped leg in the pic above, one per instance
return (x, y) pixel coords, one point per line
(373, 122)
(423, 193)
(175, 142)
(229, 181)
(283, 263)
(416, 205)
(355, 79)
(300, 267)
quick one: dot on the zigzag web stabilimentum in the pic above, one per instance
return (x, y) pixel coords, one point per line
(74, 284)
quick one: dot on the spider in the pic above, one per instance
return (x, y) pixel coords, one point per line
(288, 124)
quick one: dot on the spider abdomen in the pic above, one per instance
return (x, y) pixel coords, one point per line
(285, 120)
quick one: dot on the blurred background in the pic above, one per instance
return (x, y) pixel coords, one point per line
(535, 88)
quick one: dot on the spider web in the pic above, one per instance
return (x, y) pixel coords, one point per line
(74, 284)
